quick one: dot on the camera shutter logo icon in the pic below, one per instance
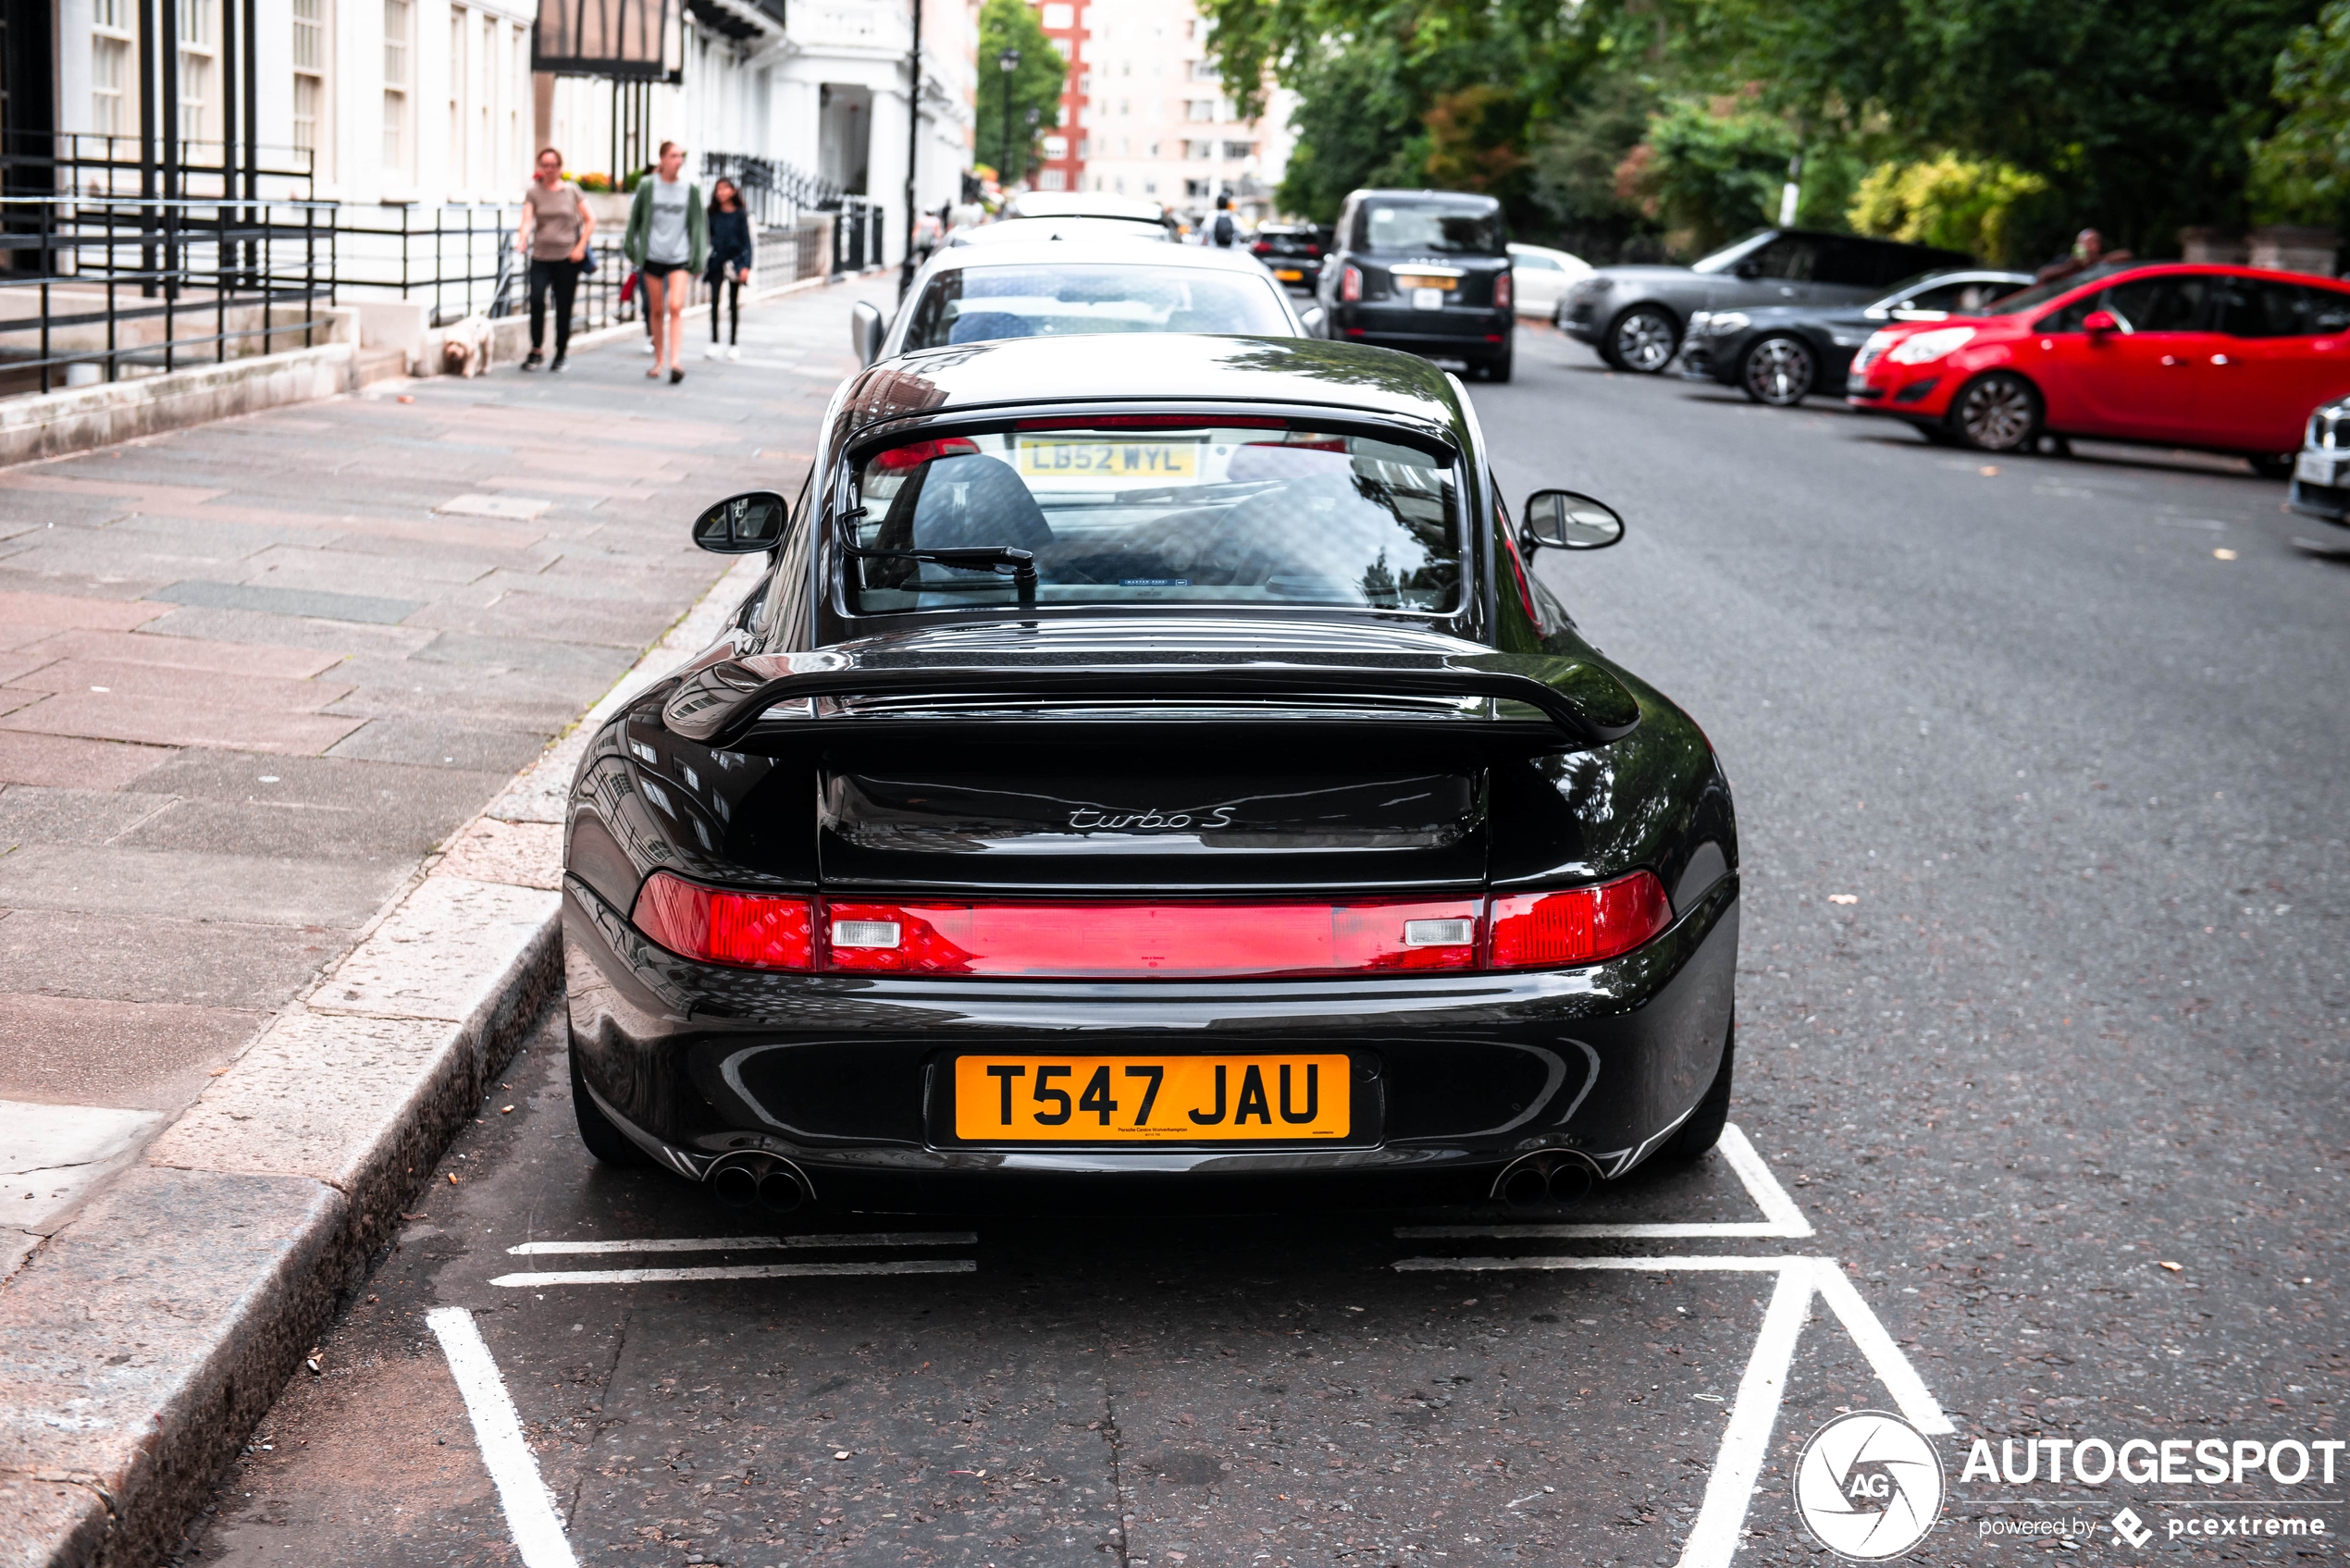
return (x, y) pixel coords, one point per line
(1869, 1486)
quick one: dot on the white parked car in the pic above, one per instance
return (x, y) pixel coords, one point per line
(1542, 276)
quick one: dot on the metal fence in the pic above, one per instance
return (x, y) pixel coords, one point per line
(96, 289)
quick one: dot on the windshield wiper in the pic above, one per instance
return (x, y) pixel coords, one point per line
(972, 558)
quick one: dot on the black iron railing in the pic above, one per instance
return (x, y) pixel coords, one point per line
(99, 288)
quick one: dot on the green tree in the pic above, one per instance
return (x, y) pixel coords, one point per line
(1036, 85)
(2302, 173)
(1352, 128)
(1958, 203)
(1709, 173)
(1574, 159)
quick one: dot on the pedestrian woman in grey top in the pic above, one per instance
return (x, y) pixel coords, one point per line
(667, 242)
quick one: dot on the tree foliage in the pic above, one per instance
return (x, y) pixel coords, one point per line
(1949, 202)
(1036, 84)
(2302, 173)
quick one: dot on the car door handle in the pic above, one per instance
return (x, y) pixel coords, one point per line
(2173, 361)
(2222, 358)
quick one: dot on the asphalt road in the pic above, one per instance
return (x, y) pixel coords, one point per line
(2042, 768)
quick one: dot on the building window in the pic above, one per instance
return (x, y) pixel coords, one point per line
(110, 69)
(1202, 110)
(1201, 149)
(1240, 149)
(196, 36)
(518, 60)
(309, 72)
(396, 22)
(1059, 17)
(1204, 70)
(1195, 188)
(1052, 179)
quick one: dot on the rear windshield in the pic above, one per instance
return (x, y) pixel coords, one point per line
(977, 304)
(1432, 227)
(1169, 514)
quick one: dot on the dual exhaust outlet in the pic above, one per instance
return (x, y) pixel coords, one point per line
(742, 1180)
(1545, 1180)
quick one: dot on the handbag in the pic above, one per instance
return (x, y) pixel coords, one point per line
(628, 287)
(588, 263)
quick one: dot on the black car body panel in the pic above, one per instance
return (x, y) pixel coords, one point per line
(1716, 351)
(1452, 316)
(1770, 267)
(1164, 753)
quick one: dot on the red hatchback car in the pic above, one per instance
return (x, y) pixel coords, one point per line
(2224, 358)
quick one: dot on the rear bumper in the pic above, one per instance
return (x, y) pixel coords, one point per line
(1448, 334)
(1455, 1075)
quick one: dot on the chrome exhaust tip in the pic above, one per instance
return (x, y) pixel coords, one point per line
(741, 1179)
(1548, 1179)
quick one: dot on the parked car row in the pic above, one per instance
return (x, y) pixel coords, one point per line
(2218, 358)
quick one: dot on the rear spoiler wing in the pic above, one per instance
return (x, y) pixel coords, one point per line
(718, 704)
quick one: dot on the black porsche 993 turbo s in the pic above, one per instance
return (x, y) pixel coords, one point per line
(1140, 773)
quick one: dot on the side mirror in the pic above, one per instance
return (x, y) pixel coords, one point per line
(743, 524)
(2099, 321)
(1749, 270)
(1567, 520)
(865, 330)
(1313, 317)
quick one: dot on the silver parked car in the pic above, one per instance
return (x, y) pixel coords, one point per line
(2321, 469)
(1635, 315)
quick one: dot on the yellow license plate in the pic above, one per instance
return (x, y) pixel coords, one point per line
(1150, 1099)
(1425, 280)
(1289, 275)
(1089, 457)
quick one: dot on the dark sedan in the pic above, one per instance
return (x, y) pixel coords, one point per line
(1636, 315)
(1150, 770)
(1780, 355)
(1293, 252)
(1424, 271)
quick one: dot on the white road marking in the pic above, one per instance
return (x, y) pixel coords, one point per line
(746, 1243)
(1761, 1185)
(1893, 1369)
(1645, 1266)
(1746, 1440)
(746, 1271)
(1674, 1230)
(530, 1511)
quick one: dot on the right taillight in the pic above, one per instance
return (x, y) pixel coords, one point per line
(1350, 285)
(1581, 925)
(748, 929)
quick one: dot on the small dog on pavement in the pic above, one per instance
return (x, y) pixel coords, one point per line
(464, 346)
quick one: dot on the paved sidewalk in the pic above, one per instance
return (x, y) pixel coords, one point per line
(253, 673)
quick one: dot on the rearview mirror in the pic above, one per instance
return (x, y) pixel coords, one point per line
(2099, 321)
(865, 331)
(1568, 520)
(743, 524)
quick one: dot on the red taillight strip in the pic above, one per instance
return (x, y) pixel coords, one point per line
(1125, 940)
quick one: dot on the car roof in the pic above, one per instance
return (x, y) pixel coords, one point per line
(1397, 193)
(1166, 368)
(1091, 249)
(1083, 203)
(1015, 230)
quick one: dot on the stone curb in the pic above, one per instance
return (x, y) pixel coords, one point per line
(142, 1342)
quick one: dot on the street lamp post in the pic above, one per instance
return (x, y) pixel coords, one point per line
(1007, 62)
(913, 147)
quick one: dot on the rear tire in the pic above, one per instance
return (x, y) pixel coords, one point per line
(1999, 413)
(2273, 465)
(1703, 1129)
(1779, 371)
(598, 1132)
(1642, 340)
(1498, 367)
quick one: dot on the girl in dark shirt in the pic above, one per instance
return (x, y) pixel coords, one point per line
(730, 259)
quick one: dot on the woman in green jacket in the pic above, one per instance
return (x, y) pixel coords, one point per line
(668, 240)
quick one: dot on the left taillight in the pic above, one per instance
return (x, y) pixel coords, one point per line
(1501, 292)
(1578, 925)
(747, 930)
(1350, 285)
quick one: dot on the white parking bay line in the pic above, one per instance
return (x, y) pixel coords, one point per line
(1644, 1266)
(746, 1243)
(1746, 1441)
(745, 1271)
(1893, 1369)
(530, 1512)
(1761, 1185)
